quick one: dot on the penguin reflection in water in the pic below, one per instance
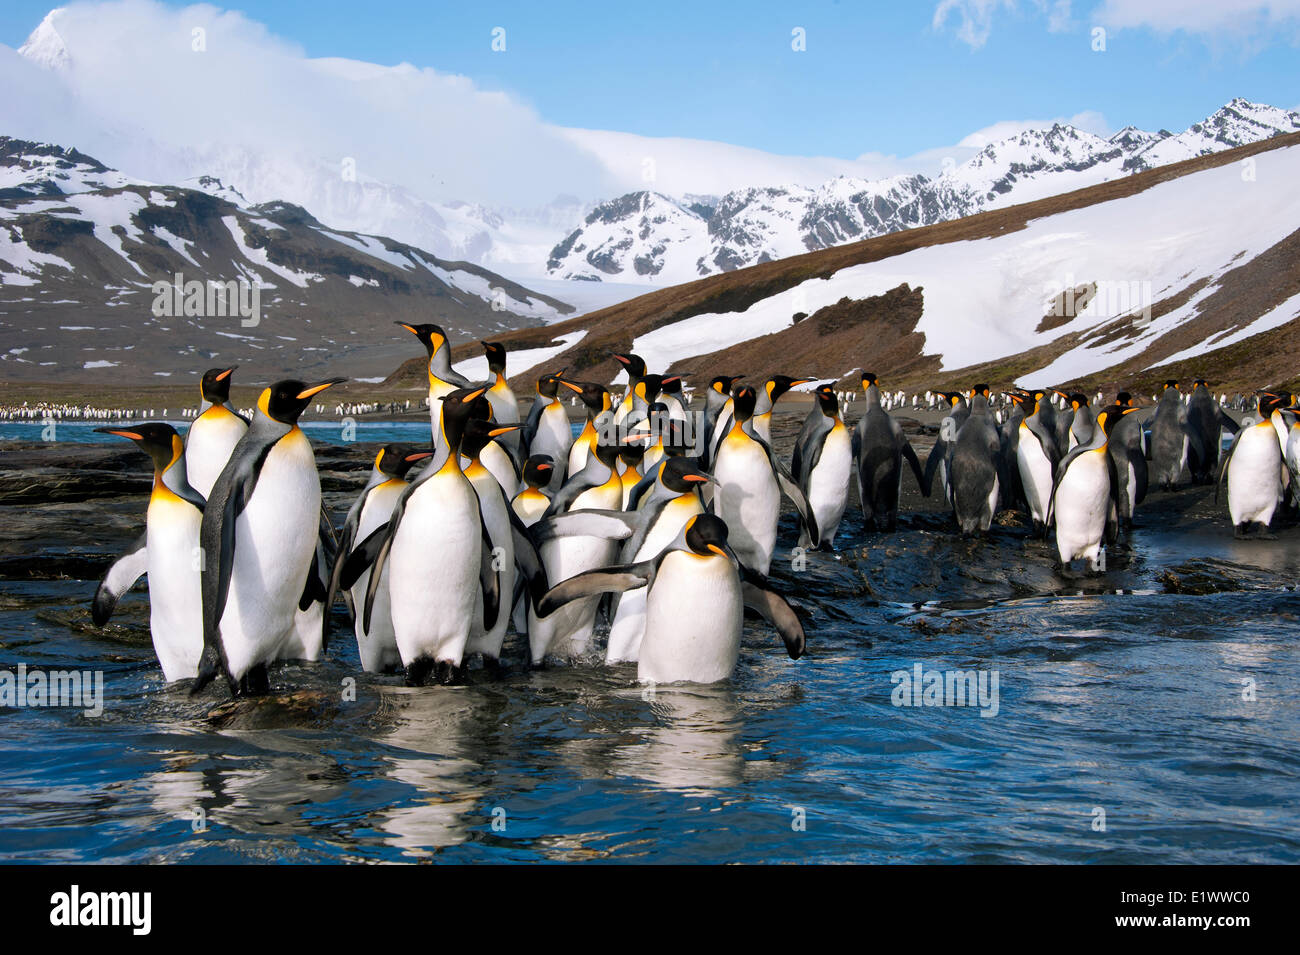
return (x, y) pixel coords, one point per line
(696, 595)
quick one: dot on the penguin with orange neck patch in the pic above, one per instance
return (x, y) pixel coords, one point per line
(259, 537)
(166, 553)
(214, 433)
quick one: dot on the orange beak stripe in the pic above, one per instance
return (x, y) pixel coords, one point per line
(314, 390)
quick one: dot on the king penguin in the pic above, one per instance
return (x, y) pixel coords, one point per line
(749, 483)
(1207, 421)
(597, 486)
(878, 449)
(1083, 502)
(1125, 443)
(1253, 467)
(168, 554)
(820, 465)
(1171, 440)
(441, 576)
(505, 406)
(1036, 456)
(259, 535)
(936, 464)
(717, 409)
(773, 390)
(214, 433)
(372, 509)
(671, 500)
(442, 378)
(547, 430)
(696, 596)
(973, 465)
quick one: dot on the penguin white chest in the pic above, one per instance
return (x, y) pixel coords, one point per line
(1082, 507)
(1035, 472)
(693, 621)
(433, 569)
(1254, 475)
(175, 602)
(748, 498)
(208, 445)
(275, 537)
(378, 647)
(829, 482)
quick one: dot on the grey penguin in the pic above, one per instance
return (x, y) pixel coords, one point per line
(1172, 442)
(1207, 421)
(878, 449)
(973, 465)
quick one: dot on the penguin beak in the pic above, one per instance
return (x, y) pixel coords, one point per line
(717, 550)
(503, 429)
(133, 435)
(545, 467)
(473, 395)
(571, 386)
(698, 477)
(227, 373)
(419, 455)
(623, 359)
(317, 389)
(409, 328)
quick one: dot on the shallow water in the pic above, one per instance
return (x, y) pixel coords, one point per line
(1121, 692)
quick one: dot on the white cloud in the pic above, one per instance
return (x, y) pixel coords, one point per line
(974, 18)
(1213, 19)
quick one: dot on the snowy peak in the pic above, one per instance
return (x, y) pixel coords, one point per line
(45, 46)
(651, 237)
(43, 169)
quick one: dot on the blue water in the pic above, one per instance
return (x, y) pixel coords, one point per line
(1125, 693)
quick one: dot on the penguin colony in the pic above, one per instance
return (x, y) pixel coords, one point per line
(662, 523)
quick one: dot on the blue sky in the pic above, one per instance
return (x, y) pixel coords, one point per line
(875, 76)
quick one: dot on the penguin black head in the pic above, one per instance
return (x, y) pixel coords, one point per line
(1106, 420)
(722, 383)
(827, 400)
(706, 534)
(955, 398)
(607, 452)
(156, 439)
(674, 439)
(632, 452)
(683, 474)
(594, 397)
(496, 357)
(1270, 402)
(649, 387)
(979, 390)
(1076, 399)
(869, 379)
(215, 385)
(672, 385)
(538, 469)
(548, 385)
(479, 431)
(634, 364)
(743, 400)
(432, 337)
(1170, 383)
(778, 385)
(1200, 383)
(285, 400)
(395, 460)
(457, 409)
(1124, 399)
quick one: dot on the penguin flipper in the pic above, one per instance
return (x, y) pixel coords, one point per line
(778, 613)
(121, 577)
(910, 454)
(1226, 423)
(643, 486)
(792, 490)
(230, 495)
(613, 525)
(314, 589)
(1056, 480)
(341, 554)
(489, 578)
(527, 560)
(616, 579)
(1223, 470)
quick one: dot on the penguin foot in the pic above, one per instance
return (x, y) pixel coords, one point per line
(418, 671)
(447, 673)
(492, 666)
(256, 682)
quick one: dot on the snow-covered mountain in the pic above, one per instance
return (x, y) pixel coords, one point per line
(654, 238)
(1117, 285)
(82, 247)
